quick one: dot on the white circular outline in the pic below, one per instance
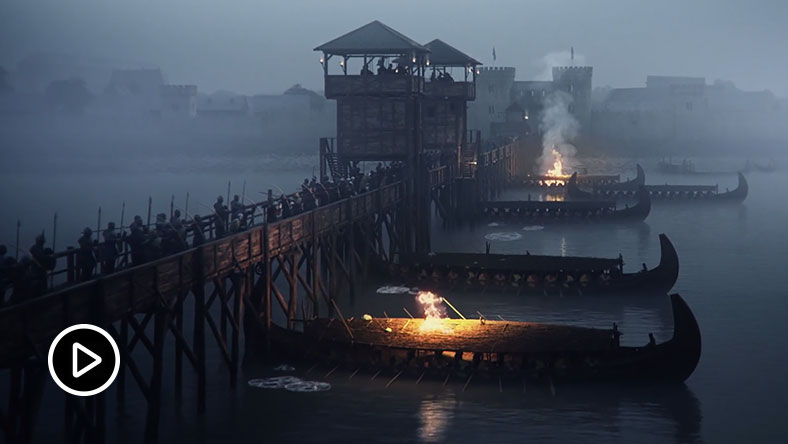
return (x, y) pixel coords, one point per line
(68, 389)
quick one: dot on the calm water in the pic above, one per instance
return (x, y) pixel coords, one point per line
(732, 275)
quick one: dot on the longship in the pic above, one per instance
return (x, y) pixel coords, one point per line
(537, 274)
(605, 210)
(662, 192)
(500, 351)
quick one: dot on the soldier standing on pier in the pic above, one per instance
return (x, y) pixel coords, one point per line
(109, 252)
(43, 262)
(177, 232)
(236, 208)
(220, 221)
(198, 236)
(270, 212)
(86, 260)
(6, 264)
(287, 211)
(136, 241)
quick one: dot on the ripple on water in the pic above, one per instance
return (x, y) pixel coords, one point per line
(503, 237)
(290, 383)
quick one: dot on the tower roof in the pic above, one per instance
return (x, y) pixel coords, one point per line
(372, 38)
(443, 54)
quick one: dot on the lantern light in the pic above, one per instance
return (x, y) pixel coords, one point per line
(322, 60)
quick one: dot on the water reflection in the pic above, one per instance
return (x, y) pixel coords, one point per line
(434, 416)
(582, 413)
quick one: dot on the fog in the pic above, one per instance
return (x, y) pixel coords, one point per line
(253, 47)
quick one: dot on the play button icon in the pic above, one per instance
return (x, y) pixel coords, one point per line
(76, 369)
(83, 360)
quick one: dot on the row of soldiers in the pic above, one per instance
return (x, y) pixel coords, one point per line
(29, 275)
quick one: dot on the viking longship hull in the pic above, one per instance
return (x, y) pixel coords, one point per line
(498, 351)
(535, 274)
(565, 211)
(547, 182)
(706, 193)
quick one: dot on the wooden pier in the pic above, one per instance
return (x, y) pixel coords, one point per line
(280, 270)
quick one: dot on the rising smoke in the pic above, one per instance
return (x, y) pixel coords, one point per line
(559, 129)
(558, 58)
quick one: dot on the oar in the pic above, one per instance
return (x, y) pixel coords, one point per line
(452, 307)
(18, 226)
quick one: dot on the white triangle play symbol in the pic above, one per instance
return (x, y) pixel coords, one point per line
(75, 370)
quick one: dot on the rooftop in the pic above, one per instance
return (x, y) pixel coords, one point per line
(372, 38)
(443, 54)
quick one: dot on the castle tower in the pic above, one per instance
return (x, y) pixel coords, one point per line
(576, 81)
(178, 101)
(493, 96)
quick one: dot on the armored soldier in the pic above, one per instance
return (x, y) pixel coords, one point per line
(220, 221)
(109, 252)
(43, 261)
(136, 240)
(236, 207)
(86, 259)
(198, 236)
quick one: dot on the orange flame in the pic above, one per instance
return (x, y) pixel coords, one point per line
(558, 165)
(433, 315)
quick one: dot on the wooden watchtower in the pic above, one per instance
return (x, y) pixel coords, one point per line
(376, 75)
(448, 89)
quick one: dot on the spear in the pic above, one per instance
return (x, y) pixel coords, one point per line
(186, 207)
(228, 192)
(98, 224)
(98, 236)
(18, 225)
(172, 204)
(54, 243)
(150, 202)
(243, 191)
(122, 214)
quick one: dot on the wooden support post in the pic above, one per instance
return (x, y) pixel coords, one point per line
(268, 284)
(332, 269)
(198, 288)
(316, 274)
(350, 249)
(292, 308)
(221, 283)
(178, 313)
(154, 398)
(120, 385)
(239, 286)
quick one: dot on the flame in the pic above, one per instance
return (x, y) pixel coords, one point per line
(433, 313)
(557, 171)
(558, 165)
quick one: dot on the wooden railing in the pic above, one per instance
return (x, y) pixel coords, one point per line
(463, 90)
(138, 289)
(372, 85)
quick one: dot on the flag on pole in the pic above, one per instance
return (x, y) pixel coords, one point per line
(493, 53)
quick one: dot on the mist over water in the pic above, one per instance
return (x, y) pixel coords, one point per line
(728, 256)
(105, 103)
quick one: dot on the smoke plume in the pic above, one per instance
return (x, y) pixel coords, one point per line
(558, 58)
(559, 128)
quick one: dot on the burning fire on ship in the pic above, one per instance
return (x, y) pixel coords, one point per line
(556, 173)
(434, 313)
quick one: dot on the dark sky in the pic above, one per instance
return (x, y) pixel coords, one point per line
(253, 46)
